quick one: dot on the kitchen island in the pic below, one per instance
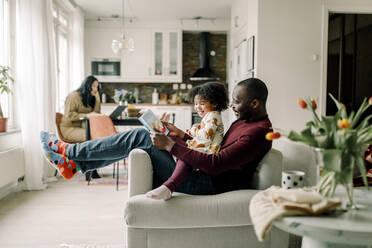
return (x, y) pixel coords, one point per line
(180, 114)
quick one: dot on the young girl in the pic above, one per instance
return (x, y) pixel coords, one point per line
(209, 100)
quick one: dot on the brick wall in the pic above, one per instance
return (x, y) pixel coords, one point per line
(191, 42)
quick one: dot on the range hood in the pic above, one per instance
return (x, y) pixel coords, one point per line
(204, 73)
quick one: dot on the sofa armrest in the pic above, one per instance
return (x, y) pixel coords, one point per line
(139, 172)
(268, 171)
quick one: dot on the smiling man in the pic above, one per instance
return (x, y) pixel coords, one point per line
(232, 168)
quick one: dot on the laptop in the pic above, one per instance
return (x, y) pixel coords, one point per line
(117, 112)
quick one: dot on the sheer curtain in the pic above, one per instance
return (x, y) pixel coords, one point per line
(35, 74)
(76, 40)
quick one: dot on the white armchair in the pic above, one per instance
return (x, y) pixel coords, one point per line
(184, 221)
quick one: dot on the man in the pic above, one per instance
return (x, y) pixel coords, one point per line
(232, 168)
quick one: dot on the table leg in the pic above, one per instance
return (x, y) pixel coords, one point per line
(308, 242)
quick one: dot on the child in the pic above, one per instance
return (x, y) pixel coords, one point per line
(209, 100)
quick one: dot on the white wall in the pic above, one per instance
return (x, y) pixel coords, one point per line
(289, 35)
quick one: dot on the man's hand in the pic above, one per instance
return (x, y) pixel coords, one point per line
(161, 141)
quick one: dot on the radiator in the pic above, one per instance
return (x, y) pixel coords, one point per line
(11, 165)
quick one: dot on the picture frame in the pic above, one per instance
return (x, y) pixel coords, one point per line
(250, 53)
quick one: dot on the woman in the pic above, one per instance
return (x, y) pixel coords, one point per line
(81, 103)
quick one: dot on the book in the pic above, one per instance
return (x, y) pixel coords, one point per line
(152, 122)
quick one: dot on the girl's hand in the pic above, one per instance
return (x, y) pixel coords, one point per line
(173, 130)
(165, 117)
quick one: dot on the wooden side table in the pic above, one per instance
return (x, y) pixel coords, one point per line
(341, 229)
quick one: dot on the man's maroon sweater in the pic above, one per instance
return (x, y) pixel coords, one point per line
(232, 168)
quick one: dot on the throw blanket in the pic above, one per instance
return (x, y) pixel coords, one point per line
(101, 126)
(275, 202)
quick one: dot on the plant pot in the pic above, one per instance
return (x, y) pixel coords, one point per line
(3, 122)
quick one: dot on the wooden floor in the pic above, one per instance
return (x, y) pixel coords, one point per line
(66, 212)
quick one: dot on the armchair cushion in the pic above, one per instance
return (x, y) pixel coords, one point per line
(189, 211)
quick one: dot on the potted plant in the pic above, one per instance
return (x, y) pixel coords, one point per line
(338, 141)
(5, 80)
(124, 97)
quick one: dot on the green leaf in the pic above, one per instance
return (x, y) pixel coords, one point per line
(363, 107)
(340, 107)
(306, 137)
(364, 123)
(362, 169)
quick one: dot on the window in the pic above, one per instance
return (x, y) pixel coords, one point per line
(5, 99)
(61, 28)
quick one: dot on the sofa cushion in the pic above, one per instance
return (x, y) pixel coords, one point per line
(190, 211)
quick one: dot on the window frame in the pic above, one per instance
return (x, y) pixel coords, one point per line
(61, 10)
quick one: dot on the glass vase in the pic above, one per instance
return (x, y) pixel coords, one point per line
(335, 167)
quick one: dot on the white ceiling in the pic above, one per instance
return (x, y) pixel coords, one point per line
(157, 9)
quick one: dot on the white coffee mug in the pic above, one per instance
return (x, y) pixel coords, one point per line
(292, 179)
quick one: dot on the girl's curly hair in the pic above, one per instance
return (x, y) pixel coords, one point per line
(213, 92)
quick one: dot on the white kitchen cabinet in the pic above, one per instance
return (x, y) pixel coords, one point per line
(157, 55)
(136, 65)
(166, 57)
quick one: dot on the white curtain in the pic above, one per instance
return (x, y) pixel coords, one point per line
(35, 74)
(76, 41)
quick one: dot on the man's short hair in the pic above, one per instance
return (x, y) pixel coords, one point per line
(255, 88)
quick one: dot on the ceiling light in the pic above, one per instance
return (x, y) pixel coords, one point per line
(123, 44)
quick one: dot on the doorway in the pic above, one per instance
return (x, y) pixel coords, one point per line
(349, 68)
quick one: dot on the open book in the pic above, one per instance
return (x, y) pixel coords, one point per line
(152, 122)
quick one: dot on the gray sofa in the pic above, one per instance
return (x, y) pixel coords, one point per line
(196, 221)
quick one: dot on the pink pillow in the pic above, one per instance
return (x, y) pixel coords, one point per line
(101, 126)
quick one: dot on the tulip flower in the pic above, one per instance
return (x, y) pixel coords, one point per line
(272, 135)
(302, 103)
(343, 105)
(370, 100)
(343, 124)
(313, 102)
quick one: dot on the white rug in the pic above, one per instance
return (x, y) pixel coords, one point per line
(90, 246)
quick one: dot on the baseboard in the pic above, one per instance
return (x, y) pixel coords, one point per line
(12, 187)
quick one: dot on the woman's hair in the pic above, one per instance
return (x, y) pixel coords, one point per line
(213, 92)
(85, 91)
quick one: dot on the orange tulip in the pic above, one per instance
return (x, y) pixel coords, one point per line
(272, 135)
(343, 124)
(370, 100)
(343, 105)
(313, 102)
(302, 103)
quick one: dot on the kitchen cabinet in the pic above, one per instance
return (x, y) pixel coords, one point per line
(157, 55)
(136, 65)
(166, 55)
